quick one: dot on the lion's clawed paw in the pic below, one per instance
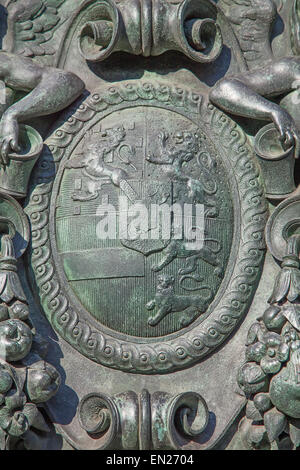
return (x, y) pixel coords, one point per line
(149, 157)
(155, 268)
(212, 212)
(149, 306)
(186, 320)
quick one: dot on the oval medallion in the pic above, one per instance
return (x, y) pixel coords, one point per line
(147, 215)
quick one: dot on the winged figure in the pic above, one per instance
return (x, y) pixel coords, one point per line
(30, 26)
(249, 94)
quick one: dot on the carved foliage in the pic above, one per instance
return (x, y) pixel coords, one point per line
(26, 380)
(270, 375)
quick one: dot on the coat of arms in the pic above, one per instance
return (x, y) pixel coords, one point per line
(134, 216)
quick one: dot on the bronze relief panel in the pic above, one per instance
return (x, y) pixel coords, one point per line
(148, 177)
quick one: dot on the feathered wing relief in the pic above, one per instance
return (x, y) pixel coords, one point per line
(31, 25)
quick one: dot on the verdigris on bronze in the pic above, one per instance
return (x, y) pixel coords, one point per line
(114, 112)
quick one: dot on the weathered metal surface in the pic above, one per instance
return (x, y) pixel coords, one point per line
(152, 147)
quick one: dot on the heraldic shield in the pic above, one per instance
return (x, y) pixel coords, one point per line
(143, 222)
(124, 160)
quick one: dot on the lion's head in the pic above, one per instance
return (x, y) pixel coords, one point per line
(185, 145)
(106, 141)
(165, 283)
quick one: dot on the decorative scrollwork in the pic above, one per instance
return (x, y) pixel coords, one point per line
(190, 414)
(144, 27)
(97, 415)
